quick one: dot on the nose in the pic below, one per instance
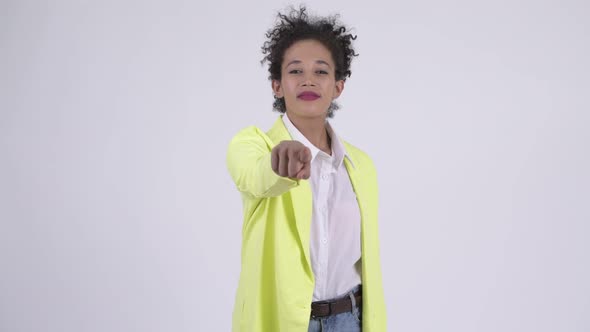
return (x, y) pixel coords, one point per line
(308, 81)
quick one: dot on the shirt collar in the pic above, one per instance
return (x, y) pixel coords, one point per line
(338, 149)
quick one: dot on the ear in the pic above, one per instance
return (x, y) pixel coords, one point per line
(277, 89)
(338, 88)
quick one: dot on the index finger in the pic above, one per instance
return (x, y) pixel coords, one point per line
(305, 155)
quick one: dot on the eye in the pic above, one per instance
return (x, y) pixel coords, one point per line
(295, 71)
(323, 72)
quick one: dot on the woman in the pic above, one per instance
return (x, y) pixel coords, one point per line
(310, 245)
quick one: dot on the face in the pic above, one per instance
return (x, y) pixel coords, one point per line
(308, 82)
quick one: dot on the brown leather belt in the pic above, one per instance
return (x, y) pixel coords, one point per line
(328, 308)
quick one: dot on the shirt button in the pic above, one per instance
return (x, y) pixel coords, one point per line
(324, 176)
(324, 240)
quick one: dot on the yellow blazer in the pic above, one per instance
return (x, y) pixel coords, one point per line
(276, 281)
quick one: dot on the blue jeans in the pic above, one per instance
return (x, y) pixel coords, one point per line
(350, 321)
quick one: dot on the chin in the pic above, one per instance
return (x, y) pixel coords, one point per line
(311, 112)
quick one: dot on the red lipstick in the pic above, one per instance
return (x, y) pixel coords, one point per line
(308, 95)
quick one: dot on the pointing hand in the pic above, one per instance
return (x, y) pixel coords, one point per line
(291, 159)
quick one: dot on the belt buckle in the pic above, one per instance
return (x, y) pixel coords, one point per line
(322, 304)
(330, 308)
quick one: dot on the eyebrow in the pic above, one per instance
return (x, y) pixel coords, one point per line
(299, 61)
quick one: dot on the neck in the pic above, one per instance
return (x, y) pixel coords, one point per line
(314, 129)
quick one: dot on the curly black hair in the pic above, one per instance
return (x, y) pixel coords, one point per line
(298, 26)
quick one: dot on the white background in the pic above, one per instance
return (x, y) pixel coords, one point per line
(117, 212)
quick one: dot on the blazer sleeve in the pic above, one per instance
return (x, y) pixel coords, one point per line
(248, 162)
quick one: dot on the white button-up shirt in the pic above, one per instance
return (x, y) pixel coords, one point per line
(335, 234)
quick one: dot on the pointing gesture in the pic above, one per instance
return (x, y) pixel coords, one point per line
(291, 159)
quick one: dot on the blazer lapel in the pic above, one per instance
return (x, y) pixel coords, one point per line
(301, 197)
(357, 185)
(354, 176)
